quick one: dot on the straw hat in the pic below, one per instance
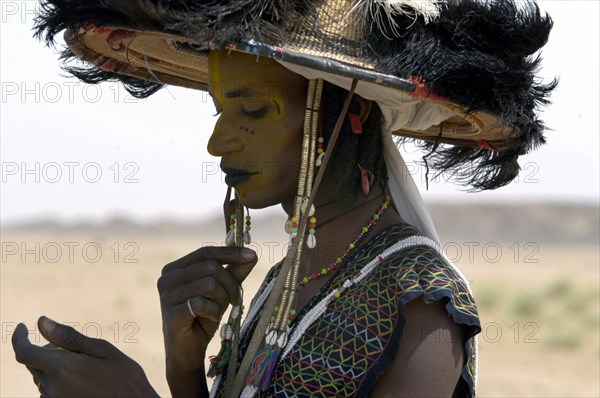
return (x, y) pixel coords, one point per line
(457, 72)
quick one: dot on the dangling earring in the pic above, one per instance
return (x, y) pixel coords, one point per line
(230, 218)
(366, 179)
(320, 151)
(230, 238)
(235, 221)
(320, 148)
(311, 239)
(247, 228)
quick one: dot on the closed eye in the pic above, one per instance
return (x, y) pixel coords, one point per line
(257, 113)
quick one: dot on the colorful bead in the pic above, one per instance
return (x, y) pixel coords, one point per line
(311, 240)
(332, 266)
(246, 236)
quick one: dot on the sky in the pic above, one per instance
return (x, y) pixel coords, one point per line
(70, 151)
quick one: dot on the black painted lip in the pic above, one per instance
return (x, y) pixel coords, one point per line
(236, 176)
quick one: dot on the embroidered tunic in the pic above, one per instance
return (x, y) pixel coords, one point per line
(344, 351)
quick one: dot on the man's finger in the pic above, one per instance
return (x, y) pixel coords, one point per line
(179, 280)
(26, 353)
(242, 270)
(201, 307)
(66, 337)
(240, 260)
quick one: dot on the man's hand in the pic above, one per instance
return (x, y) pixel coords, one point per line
(195, 291)
(74, 365)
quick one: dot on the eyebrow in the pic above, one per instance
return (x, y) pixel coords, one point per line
(239, 93)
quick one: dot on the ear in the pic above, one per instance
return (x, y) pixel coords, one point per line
(364, 107)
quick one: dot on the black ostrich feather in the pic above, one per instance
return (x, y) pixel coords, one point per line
(482, 56)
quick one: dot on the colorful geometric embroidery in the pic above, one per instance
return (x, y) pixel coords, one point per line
(343, 353)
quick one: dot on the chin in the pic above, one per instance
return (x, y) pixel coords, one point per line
(256, 200)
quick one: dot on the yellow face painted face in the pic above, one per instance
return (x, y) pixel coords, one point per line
(259, 132)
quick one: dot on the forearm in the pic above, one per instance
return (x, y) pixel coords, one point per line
(187, 384)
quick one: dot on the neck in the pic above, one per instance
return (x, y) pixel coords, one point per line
(337, 227)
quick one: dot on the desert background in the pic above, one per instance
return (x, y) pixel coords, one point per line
(534, 270)
(100, 190)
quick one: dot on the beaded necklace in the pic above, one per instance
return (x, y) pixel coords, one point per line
(332, 266)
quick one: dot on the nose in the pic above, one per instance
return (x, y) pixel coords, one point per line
(224, 139)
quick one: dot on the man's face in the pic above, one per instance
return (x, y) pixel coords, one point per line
(259, 132)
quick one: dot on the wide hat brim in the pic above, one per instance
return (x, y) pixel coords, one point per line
(459, 72)
(177, 60)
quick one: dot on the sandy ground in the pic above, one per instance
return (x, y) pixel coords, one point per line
(112, 294)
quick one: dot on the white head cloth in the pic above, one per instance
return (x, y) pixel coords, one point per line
(399, 110)
(404, 191)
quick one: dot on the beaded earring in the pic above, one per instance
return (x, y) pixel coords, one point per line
(311, 239)
(230, 237)
(234, 223)
(320, 151)
(247, 228)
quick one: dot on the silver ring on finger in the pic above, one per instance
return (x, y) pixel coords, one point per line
(190, 309)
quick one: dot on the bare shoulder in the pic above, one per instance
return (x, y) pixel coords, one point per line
(430, 356)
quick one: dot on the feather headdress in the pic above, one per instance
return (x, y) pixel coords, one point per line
(457, 74)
